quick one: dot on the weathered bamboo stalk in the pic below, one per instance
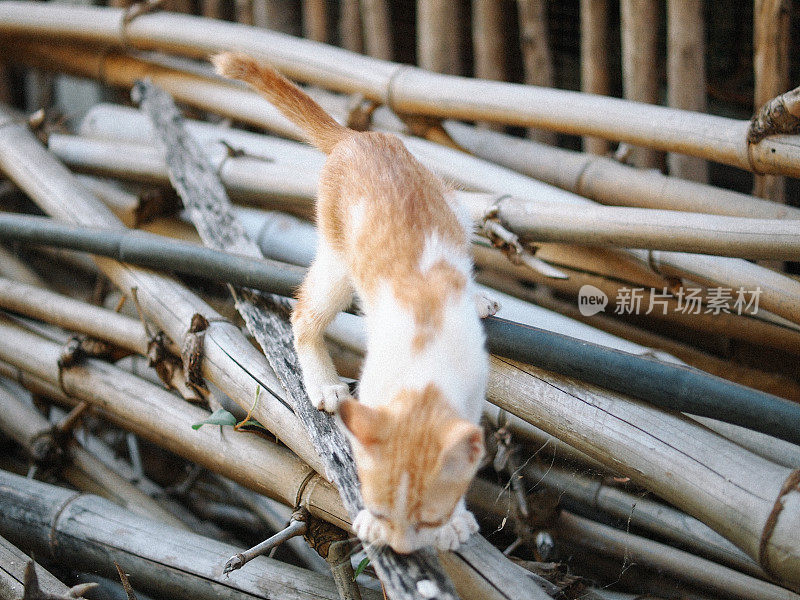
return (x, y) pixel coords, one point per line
(32, 431)
(154, 414)
(377, 28)
(680, 529)
(773, 383)
(350, 30)
(594, 15)
(537, 60)
(439, 36)
(418, 91)
(729, 489)
(315, 20)
(170, 305)
(12, 267)
(686, 75)
(771, 34)
(639, 28)
(577, 532)
(608, 181)
(774, 300)
(13, 562)
(90, 533)
(123, 204)
(238, 174)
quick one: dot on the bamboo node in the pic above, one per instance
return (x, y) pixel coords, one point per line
(192, 352)
(792, 483)
(359, 112)
(136, 9)
(781, 115)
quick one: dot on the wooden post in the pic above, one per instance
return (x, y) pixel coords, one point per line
(536, 57)
(771, 21)
(639, 26)
(594, 60)
(487, 39)
(439, 36)
(315, 20)
(244, 12)
(686, 75)
(377, 28)
(350, 31)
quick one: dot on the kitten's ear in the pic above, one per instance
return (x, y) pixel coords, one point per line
(462, 450)
(367, 425)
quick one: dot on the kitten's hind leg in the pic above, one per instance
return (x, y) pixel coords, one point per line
(325, 291)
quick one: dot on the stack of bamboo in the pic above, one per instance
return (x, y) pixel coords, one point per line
(650, 446)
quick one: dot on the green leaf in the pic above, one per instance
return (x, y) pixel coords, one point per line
(218, 417)
(361, 566)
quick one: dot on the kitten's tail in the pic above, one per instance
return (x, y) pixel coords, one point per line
(323, 131)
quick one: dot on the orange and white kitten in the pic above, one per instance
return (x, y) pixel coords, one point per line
(392, 233)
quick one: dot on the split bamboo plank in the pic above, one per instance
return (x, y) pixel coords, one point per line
(12, 574)
(267, 318)
(729, 489)
(686, 75)
(411, 90)
(771, 33)
(594, 16)
(91, 533)
(537, 60)
(24, 424)
(639, 27)
(377, 28)
(229, 360)
(439, 36)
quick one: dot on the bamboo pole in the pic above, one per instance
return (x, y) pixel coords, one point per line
(537, 60)
(315, 20)
(771, 34)
(727, 488)
(609, 182)
(686, 75)
(124, 205)
(92, 533)
(772, 383)
(350, 31)
(156, 415)
(170, 305)
(680, 529)
(12, 267)
(418, 91)
(439, 36)
(594, 15)
(377, 28)
(22, 423)
(576, 532)
(12, 574)
(639, 27)
(580, 264)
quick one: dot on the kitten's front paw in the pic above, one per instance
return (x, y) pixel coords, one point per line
(332, 396)
(456, 531)
(368, 528)
(485, 306)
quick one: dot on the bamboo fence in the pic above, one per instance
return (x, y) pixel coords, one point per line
(594, 59)
(410, 90)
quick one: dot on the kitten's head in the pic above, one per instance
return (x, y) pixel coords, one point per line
(415, 459)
